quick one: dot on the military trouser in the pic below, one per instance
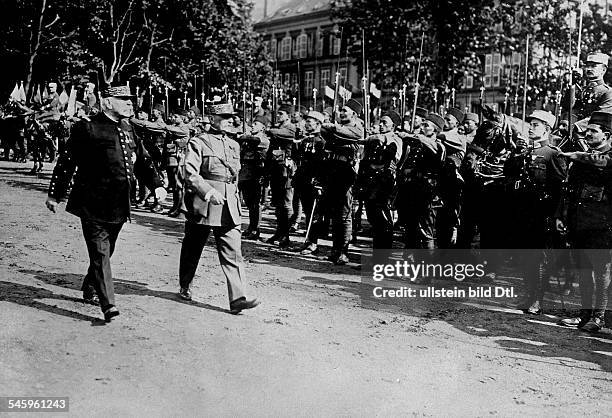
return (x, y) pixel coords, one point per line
(340, 200)
(381, 219)
(100, 238)
(251, 193)
(282, 199)
(419, 215)
(594, 273)
(227, 240)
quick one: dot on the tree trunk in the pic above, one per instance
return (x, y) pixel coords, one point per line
(34, 45)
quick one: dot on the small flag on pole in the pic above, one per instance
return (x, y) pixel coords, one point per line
(344, 93)
(374, 91)
(15, 93)
(22, 95)
(329, 92)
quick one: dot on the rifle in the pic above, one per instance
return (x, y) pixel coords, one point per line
(416, 86)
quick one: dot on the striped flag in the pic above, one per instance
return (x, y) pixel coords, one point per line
(374, 91)
(344, 93)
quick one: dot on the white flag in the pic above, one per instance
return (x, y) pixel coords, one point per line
(329, 92)
(374, 91)
(15, 93)
(22, 96)
(71, 110)
(344, 93)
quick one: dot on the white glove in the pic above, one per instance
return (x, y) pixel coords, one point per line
(51, 204)
(215, 197)
(160, 194)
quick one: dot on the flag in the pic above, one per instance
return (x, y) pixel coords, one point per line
(45, 94)
(344, 93)
(63, 98)
(71, 109)
(374, 91)
(37, 99)
(22, 96)
(15, 93)
(329, 92)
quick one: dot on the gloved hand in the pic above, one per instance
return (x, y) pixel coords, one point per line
(215, 197)
(160, 194)
(51, 204)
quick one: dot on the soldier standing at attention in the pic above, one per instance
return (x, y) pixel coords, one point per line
(310, 177)
(536, 174)
(253, 150)
(105, 150)
(596, 94)
(382, 152)
(342, 140)
(212, 204)
(420, 175)
(586, 213)
(281, 169)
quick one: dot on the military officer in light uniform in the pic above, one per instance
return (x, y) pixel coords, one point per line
(596, 94)
(212, 204)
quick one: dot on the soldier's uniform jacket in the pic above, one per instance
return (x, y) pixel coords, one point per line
(425, 159)
(104, 154)
(212, 161)
(311, 155)
(281, 142)
(541, 174)
(588, 201)
(342, 142)
(175, 144)
(282, 147)
(376, 178)
(253, 151)
(595, 96)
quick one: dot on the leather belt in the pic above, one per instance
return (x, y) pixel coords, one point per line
(223, 179)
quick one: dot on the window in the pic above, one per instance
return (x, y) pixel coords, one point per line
(286, 48)
(343, 79)
(294, 82)
(325, 77)
(496, 70)
(469, 81)
(302, 45)
(308, 83)
(487, 69)
(273, 52)
(334, 45)
(319, 44)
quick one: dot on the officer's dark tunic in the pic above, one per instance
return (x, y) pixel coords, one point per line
(253, 149)
(279, 153)
(342, 145)
(103, 153)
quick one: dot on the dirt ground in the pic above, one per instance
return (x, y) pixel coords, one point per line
(310, 349)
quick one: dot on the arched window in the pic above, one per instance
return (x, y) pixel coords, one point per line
(302, 44)
(286, 48)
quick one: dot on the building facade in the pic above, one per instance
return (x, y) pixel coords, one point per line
(307, 51)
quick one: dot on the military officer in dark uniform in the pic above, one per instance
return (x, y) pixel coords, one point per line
(253, 150)
(310, 176)
(420, 176)
(586, 212)
(535, 173)
(105, 150)
(281, 168)
(212, 204)
(376, 180)
(342, 140)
